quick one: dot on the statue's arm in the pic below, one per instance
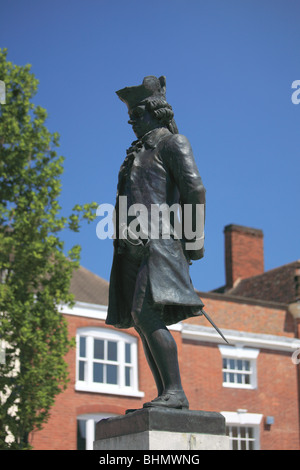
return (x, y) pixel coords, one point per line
(181, 163)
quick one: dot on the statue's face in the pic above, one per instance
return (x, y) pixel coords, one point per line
(142, 121)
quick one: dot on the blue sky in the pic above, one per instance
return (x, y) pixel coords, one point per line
(229, 67)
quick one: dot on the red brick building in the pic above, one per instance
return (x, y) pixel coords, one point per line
(254, 382)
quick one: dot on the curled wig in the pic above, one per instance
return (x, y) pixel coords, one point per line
(163, 112)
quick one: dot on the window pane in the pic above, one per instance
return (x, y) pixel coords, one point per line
(111, 350)
(81, 434)
(128, 353)
(235, 445)
(82, 346)
(247, 365)
(232, 364)
(127, 376)
(98, 373)
(111, 374)
(241, 438)
(98, 349)
(81, 370)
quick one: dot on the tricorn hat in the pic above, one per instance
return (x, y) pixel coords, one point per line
(151, 87)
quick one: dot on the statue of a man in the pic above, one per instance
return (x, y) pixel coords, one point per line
(150, 286)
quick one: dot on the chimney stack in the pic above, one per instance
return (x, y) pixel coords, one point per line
(244, 253)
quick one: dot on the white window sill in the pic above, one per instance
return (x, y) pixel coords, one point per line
(244, 387)
(109, 389)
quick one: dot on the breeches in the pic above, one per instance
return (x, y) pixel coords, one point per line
(147, 315)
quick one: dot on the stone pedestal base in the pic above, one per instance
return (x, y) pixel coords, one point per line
(162, 429)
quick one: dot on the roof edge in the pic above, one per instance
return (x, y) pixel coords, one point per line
(244, 300)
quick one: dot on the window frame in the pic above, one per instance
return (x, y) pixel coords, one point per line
(241, 419)
(89, 422)
(239, 441)
(121, 339)
(240, 354)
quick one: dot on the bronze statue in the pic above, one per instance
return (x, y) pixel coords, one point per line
(150, 285)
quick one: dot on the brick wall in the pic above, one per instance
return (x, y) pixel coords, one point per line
(251, 316)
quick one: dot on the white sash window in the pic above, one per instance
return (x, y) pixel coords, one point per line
(106, 362)
(239, 367)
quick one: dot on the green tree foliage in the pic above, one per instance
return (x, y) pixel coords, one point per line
(35, 273)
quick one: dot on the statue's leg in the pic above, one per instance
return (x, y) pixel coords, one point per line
(160, 345)
(151, 362)
(164, 351)
(131, 263)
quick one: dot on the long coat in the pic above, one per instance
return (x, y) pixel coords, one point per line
(159, 169)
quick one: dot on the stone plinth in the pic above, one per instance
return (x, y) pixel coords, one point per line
(162, 429)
